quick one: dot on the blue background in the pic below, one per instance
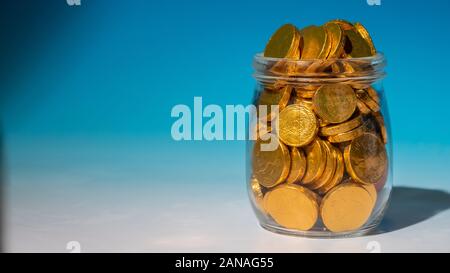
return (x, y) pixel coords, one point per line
(87, 91)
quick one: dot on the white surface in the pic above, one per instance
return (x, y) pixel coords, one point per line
(107, 204)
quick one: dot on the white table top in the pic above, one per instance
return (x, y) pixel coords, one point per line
(115, 196)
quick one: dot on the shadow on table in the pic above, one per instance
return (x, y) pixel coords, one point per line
(410, 206)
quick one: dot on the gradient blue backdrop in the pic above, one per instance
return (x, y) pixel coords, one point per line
(94, 85)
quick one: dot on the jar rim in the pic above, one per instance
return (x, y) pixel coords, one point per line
(363, 69)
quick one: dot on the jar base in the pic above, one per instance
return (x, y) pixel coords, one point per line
(320, 234)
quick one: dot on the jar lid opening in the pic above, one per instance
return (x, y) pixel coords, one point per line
(363, 70)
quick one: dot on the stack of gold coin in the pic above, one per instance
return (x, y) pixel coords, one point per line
(330, 160)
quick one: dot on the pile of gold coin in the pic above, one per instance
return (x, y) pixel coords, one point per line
(331, 161)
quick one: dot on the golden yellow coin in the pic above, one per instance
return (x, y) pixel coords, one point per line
(297, 125)
(270, 97)
(332, 130)
(367, 100)
(373, 94)
(329, 170)
(304, 102)
(316, 159)
(356, 46)
(284, 43)
(270, 168)
(334, 103)
(347, 207)
(337, 176)
(348, 136)
(345, 25)
(315, 44)
(365, 34)
(306, 94)
(372, 191)
(257, 194)
(293, 207)
(336, 36)
(362, 107)
(298, 166)
(366, 159)
(380, 120)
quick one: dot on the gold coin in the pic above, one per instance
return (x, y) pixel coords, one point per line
(345, 25)
(372, 192)
(336, 36)
(366, 159)
(315, 45)
(329, 170)
(347, 207)
(363, 107)
(365, 34)
(271, 97)
(337, 176)
(293, 207)
(284, 43)
(334, 103)
(373, 94)
(306, 94)
(367, 100)
(297, 125)
(298, 166)
(257, 194)
(341, 128)
(356, 46)
(315, 161)
(380, 120)
(347, 136)
(304, 102)
(270, 168)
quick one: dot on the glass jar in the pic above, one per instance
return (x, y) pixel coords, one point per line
(319, 155)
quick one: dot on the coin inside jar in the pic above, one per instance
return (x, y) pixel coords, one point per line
(347, 207)
(315, 161)
(270, 168)
(341, 128)
(293, 207)
(297, 125)
(337, 176)
(257, 194)
(298, 166)
(366, 159)
(315, 44)
(337, 38)
(334, 103)
(284, 43)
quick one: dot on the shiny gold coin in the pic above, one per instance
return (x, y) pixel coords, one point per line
(315, 161)
(347, 136)
(372, 192)
(330, 167)
(366, 36)
(337, 38)
(270, 168)
(315, 45)
(345, 25)
(304, 102)
(356, 46)
(362, 107)
(284, 43)
(298, 166)
(271, 97)
(368, 101)
(337, 176)
(334, 103)
(373, 94)
(380, 120)
(257, 194)
(341, 128)
(366, 159)
(347, 207)
(297, 125)
(306, 94)
(293, 207)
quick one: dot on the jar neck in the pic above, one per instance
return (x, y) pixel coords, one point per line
(352, 70)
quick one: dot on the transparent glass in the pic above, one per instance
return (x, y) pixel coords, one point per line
(331, 210)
